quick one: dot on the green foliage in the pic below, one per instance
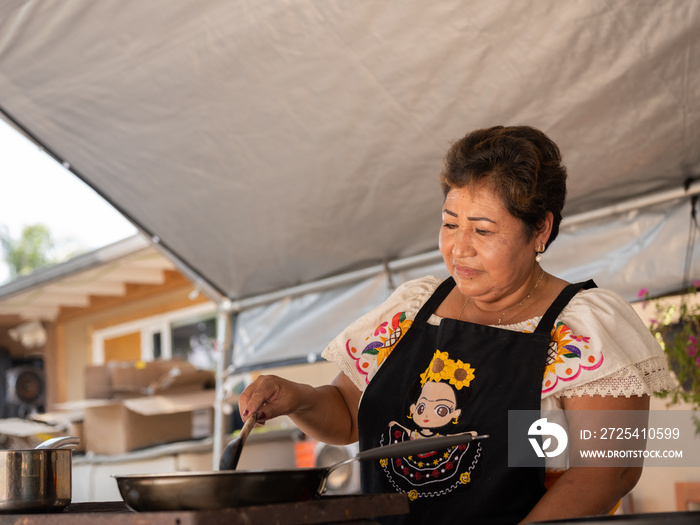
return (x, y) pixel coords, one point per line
(34, 249)
(677, 328)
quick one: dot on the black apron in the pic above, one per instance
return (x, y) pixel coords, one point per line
(452, 378)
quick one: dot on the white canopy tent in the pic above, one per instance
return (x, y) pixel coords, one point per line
(285, 154)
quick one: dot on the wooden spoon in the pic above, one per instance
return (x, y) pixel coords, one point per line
(232, 452)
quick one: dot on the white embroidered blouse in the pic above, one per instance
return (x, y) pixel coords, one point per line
(600, 346)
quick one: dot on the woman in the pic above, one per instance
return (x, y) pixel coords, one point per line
(500, 334)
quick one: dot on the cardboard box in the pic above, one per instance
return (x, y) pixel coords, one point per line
(66, 422)
(98, 382)
(117, 427)
(123, 379)
(77, 429)
(25, 434)
(142, 377)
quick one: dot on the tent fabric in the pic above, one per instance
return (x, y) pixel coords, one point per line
(628, 255)
(641, 252)
(297, 329)
(270, 144)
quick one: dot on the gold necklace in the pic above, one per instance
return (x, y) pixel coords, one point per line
(516, 305)
(459, 318)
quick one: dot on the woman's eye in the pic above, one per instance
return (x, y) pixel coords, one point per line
(481, 232)
(443, 411)
(449, 226)
(420, 409)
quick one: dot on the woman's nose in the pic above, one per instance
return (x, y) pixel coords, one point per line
(463, 245)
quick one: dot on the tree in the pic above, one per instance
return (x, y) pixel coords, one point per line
(35, 248)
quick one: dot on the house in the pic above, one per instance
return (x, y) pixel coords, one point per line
(124, 302)
(114, 303)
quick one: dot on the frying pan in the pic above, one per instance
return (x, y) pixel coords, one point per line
(233, 488)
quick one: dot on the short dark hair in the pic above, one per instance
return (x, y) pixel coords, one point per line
(520, 164)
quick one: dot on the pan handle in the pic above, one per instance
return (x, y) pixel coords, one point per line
(416, 446)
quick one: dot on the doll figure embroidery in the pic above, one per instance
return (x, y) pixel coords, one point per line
(436, 401)
(436, 397)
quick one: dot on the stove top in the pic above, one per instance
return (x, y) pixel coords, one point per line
(324, 510)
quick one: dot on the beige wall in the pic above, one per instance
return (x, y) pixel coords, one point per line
(76, 333)
(78, 354)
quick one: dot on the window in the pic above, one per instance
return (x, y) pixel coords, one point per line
(188, 334)
(195, 341)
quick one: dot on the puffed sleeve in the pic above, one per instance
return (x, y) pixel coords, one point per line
(602, 347)
(362, 347)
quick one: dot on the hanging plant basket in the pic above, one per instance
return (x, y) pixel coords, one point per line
(677, 328)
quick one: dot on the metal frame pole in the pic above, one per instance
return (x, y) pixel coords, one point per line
(225, 327)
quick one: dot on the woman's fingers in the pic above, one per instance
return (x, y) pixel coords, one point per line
(268, 396)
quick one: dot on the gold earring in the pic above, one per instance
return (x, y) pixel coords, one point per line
(539, 250)
(456, 420)
(409, 416)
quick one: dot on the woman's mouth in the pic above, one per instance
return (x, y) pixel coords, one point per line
(465, 272)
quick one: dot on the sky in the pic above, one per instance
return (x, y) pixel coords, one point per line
(35, 189)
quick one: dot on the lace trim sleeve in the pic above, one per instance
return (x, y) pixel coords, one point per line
(644, 377)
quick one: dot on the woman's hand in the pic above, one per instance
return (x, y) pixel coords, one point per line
(273, 396)
(326, 413)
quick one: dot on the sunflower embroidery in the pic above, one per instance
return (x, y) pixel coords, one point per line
(442, 368)
(462, 375)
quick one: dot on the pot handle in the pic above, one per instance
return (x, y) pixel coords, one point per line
(59, 442)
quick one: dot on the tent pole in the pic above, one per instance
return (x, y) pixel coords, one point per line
(633, 204)
(434, 256)
(225, 326)
(338, 280)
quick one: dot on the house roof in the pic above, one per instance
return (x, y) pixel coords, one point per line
(103, 272)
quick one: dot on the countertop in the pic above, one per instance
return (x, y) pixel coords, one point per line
(324, 510)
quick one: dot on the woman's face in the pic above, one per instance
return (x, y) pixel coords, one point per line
(436, 406)
(485, 248)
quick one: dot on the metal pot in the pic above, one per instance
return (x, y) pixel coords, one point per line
(234, 488)
(37, 480)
